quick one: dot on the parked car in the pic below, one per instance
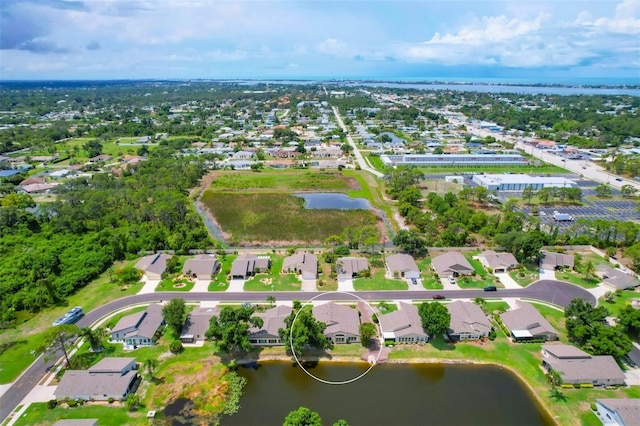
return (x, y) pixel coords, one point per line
(491, 288)
(438, 296)
(452, 280)
(414, 281)
(619, 179)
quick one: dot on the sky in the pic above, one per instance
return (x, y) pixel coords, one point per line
(536, 40)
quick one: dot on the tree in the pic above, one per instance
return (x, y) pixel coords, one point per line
(93, 147)
(271, 300)
(528, 192)
(609, 296)
(231, 328)
(628, 191)
(588, 269)
(341, 422)
(149, 365)
(303, 417)
(60, 339)
(629, 319)
(94, 337)
(305, 332)
(174, 314)
(603, 191)
(435, 317)
(367, 333)
(410, 241)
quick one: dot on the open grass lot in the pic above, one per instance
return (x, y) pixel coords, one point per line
(278, 217)
(620, 300)
(570, 407)
(430, 279)
(17, 343)
(378, 281)
(39, 414)
(284, 180)
(274, 280)
(525, 275)
(578, 279)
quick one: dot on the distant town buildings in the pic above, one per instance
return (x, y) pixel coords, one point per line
(453, 160)
(518, 182)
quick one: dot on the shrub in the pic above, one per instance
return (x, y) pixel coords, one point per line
(51, 404)
(110, 400)
(72, 403)
(593, 407)
(176, 347)
(492, 335)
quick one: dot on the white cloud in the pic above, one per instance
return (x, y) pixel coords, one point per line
(332, 46)
(626, 19)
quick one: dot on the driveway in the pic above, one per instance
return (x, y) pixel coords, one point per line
(309, 285)
(149, 285)
(547, 274)
(507, 281)
(345, 285)
(236, 286)
(201, 286)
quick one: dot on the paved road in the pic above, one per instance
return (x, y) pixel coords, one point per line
(551, 291)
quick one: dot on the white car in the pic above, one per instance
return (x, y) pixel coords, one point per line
(452, 280)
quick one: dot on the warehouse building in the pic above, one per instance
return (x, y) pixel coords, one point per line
(453, 160)
(511, 182)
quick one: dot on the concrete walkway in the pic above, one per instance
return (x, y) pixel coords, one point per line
(201, 286)
(507, 281)
(346, 285)
(236, 286)
(149, 285)
(599, 291)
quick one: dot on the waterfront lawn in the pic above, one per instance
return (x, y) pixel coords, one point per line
(578, 279)
(371, 189)
(274, 280)
(524, 276)
(378, 281)
(115, 414)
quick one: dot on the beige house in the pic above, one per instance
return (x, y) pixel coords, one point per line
(498, 262)
(578, 367)
(304, 264)
(451, 263)
(343, 322)
(153, 265)
(403, 325)
(273, 320)
(247, 265)
(553, 261)
(348, 268)
(402, 266)
(139, 329)
(110, 378)
(468, 321)
(197, 324)
(202, 267)
(526, 323)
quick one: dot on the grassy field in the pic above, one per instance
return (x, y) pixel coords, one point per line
(18, 354)
(377, 281)
(620, 300)
(376, 162)
(39, 414)
(274, 280)
(278, 217)
(282, 180)
(578, 279)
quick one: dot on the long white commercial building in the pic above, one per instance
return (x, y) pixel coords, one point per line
(453, 160)
(518, 182)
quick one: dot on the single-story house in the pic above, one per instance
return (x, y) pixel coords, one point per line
(616, 279)
(272, 321)
(349, 267)
(153, 265)
(38, 188)
(402, 265)
(526, 323)
(498, 262)
(618, 411)
(202, 266)
(305, 264)
(403, 325)
(139, 329)
(553, 261)
(197, 324)
(111, 377)
(101, 157)
(248, 264)
(578, 367)
(343, 322)
(468, 321)
(451, 263)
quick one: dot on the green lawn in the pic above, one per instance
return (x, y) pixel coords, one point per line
(578, 279)
(218, 286)
(39, 414)
(173, 284)
(281, 181)
(555, 318)
(386, 307)
(376, 162)
(525, 275)
(278, 281)
(492, 306)
(377, 281)
(620, 300)
(17, 355)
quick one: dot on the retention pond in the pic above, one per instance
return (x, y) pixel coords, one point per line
(330, 200)
(390, 394)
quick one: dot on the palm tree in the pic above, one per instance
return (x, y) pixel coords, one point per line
(150, 365)
(271, 300)
(94, 337)
(589, 268)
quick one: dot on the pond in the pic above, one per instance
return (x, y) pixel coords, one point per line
(390, 394)
(331, 200)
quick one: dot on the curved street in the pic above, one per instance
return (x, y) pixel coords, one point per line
(551, 291)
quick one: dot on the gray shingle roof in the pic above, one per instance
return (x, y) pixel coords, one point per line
(562, 351)
(451, 262)
(339, 318)
(82, 382)
(197, 322)
(306, 262)
(627, 409)
(201, 264)
(151, 321)
(602, 367)
(155, 263)
(401, 263)
(499, 260)
(111, 364)
(273, 320)
(349, 266)
(128, 321)
(403, 322)
(551, 260)
(616, 277)
(467, 317)
(526, 317)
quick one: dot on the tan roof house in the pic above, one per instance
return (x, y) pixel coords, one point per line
(615, 279)
(349, 267)
(451, 263)
(403, 325)
(618, 411)
(526, 323)
(272, 321)
(403, 266)
(248, 264)
(343, 322)
(578, 367)
(197, 324)
(153, 265)
(498, 262)
(553, 261)
(468, 321)
(139, 329)
(110, 378)
(202, 266)
(304, 264)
